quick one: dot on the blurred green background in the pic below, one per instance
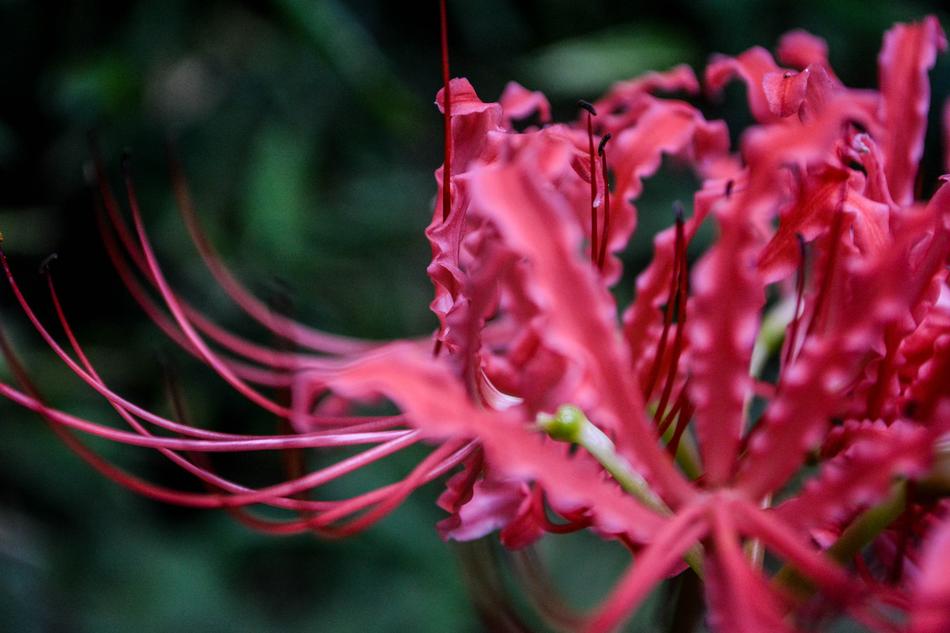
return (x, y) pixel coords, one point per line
(309, 137)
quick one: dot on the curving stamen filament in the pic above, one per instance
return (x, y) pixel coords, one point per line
(299, 334)
(677, 340)
(605, 238)
(286, 328)
(679, 404)
(319, 439)
(272, 360)
(591, 113)
(380, 501)
(266, 356)
(113, 397)
(682, 421)
(171, 301)
(257, 375)
(55, 419)
(447, 112)
(438, 463)
(668, 313)
(792, 343)
(676, 301)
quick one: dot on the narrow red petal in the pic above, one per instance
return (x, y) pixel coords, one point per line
(909, 52)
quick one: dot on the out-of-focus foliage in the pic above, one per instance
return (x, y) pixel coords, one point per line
(308, 133)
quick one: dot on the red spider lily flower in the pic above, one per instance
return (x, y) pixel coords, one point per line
(788, 393)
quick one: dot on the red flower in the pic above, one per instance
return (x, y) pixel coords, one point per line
(816, 328)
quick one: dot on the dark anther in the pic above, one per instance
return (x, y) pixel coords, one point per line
(856, 166)
(587, 105)
(45, 264)
(603, 144)
(678, 211)
(910, 408)
(858, 125)
(729, 186)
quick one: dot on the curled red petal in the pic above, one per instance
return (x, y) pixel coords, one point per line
(517, 102)
(579, 311)
(930, 603)
(909, 52)
(493, 505)
(739, 598)
(722, 334)
(801, 49)
(860, 477)
(894, 283)
(650, 567)
(785, 91)
(473, 123)
(434, 402)
(751, 66)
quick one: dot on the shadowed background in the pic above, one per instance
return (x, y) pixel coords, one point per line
(309, 137)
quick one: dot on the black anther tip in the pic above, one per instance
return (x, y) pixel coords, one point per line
(678, 211)
(587, 105)
(46, 263)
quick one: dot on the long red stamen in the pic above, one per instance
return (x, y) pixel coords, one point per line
(396, 496)
(386, 499)
(256, 375)
(605, 238)
(821, 300)
(171, 301)
(271, 495)
(447, 113)
(257, 443)
(682, 290)
(280, 325)
(685, 415)
(885, 371)
(670, 307)
(680, 402)
(233, 343)
(206, 438)
(799, 300)
(591, 113)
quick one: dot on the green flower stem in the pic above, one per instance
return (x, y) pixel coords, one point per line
(856, 537)
(869, 525)
(767, 343)
(569, 424)
(771, 335)
(873, 521)
(754, 549)
(687, 455)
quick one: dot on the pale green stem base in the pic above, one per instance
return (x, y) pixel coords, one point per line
(570, 424)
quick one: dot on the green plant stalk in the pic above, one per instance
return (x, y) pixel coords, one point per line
(570, 424)
(856, 537)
